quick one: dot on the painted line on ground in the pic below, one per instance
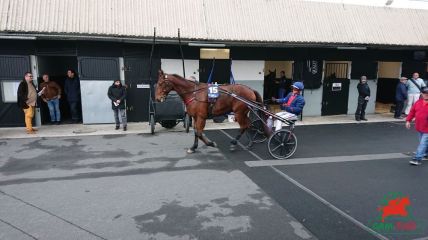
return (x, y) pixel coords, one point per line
(313, 194)
(51, 214)
(17, 228)
(350, 158)
(422, 238)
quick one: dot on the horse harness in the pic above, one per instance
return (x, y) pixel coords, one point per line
(188, 101)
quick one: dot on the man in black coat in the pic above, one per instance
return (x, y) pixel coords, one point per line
(117, 95)
(72, 90)
(363, 98)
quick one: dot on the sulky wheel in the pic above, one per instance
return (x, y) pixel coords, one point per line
(282, 144)
(152, 123)
(186, 122)
(256, 131)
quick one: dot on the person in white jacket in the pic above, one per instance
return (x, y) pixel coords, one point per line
(414, 86)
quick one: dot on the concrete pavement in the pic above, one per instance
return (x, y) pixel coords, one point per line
(144, 127)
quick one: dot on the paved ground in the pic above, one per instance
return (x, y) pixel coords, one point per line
(134, 186)
(139, 186)
(69, 130)
(339, 176)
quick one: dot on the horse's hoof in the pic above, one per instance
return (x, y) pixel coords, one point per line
(213, 144)
(232, 148)
(190, 151)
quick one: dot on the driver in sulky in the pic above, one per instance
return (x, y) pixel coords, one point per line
(292, 105)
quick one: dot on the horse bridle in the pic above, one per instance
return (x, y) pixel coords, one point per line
(188, 101)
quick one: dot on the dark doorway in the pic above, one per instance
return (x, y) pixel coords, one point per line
(221, 71)
(408, 68)
(56, 67)
(335, 89)
(137, 79)
(12, 70)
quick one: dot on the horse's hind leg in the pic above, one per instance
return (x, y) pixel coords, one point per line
(243, 121)
(234, 142)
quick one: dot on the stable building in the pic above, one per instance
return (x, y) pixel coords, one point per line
(329, 46)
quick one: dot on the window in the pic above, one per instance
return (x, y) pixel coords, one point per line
(9, 91)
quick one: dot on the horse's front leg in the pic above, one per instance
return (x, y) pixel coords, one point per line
(200, 129)
(192, 149)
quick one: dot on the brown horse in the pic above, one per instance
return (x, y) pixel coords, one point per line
(195, 96)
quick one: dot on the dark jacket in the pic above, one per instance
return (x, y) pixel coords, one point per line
(72, 89)
(23, 94)
(296, 105)
(401, 92)
(363, 90)
(117, 93)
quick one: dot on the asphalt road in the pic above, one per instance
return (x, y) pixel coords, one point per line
(338, 177)
(139, 186)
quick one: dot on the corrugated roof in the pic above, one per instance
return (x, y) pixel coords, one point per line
(278, 21)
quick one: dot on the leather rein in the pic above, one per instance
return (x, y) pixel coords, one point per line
(187, 101)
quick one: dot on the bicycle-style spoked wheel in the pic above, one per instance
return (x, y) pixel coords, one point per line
(282, 144)
(256, 132)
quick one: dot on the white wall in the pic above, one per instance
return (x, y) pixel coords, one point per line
(250, 73)
(313, 99)
(96, 106)
(248, 70)
(175, 66)
(416, 4)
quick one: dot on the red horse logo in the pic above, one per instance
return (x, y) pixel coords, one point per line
(395, 207)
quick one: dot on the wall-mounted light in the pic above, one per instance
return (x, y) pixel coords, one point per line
(352, 48)
(389, 2)
(17, 37)
(202, 44)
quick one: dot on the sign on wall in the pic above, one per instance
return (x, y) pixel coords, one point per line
(9, 91)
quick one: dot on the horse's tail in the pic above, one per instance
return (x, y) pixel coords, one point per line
(262, 115)
(259, 98)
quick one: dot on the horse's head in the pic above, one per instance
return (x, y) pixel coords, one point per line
(163, 87)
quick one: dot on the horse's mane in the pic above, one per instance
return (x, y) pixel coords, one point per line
(182, 78)
(177, 76)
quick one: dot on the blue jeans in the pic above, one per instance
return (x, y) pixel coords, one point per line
(122, 113)
(281, 93)
(53, 106)
(422, 148)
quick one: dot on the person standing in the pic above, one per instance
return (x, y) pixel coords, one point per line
(419, 111)
(117, 95)
(51, 96)
(400, 97)
(72, 90)
(284, 85)
(27, 97)
(363, 99)
(414, 86)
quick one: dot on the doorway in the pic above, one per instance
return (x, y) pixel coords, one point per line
(56, 67)
(219, 67)
(137, 80)
(388, 75)
(335, 89)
